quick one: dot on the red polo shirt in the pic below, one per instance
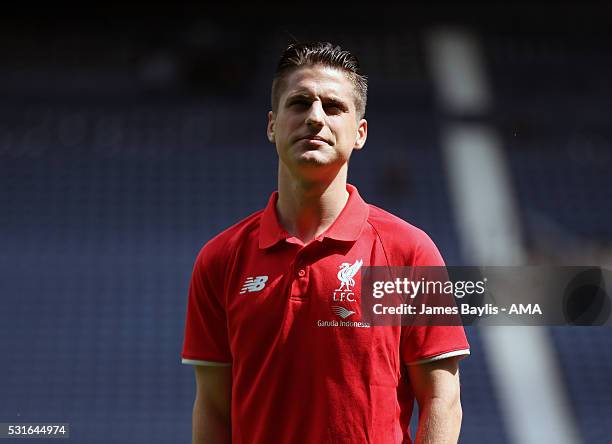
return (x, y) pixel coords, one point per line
(286, 316)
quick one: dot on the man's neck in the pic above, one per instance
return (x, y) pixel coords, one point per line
(307, 208)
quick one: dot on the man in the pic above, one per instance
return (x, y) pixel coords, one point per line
(273, 363)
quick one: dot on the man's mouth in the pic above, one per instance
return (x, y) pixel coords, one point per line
(315, 140)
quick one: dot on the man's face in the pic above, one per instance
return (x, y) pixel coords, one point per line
(316, 126)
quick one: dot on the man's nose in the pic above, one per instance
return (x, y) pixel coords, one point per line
(315, 117)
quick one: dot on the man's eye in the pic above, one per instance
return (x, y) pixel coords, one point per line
(334, 109)
(300, 103)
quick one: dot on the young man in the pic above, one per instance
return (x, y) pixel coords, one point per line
(273, 363)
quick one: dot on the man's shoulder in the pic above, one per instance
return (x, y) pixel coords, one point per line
(226, 242)
(406, 243)
(395, 228)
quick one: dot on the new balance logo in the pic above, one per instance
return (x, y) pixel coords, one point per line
(253, 284)
(342, 312)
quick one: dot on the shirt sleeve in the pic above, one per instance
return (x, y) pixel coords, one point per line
(426, 343)
(422, 344)
(206, 339)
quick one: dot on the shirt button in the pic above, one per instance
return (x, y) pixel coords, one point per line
(301, 273)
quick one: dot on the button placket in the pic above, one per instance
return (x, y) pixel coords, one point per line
(299, 285)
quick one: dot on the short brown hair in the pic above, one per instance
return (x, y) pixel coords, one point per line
(298, 55)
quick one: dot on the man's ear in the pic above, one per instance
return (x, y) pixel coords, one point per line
(270, 129)
(362, 134)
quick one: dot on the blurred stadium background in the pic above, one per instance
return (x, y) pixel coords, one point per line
(130, 135)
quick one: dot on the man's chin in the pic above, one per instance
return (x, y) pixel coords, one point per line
(313, 158)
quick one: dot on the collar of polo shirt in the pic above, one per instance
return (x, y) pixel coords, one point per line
(347, 227)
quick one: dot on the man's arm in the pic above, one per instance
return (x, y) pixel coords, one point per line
(211, 409)
(436, 388)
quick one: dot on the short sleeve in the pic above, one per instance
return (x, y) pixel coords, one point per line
(206, 340)
(422, 344)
